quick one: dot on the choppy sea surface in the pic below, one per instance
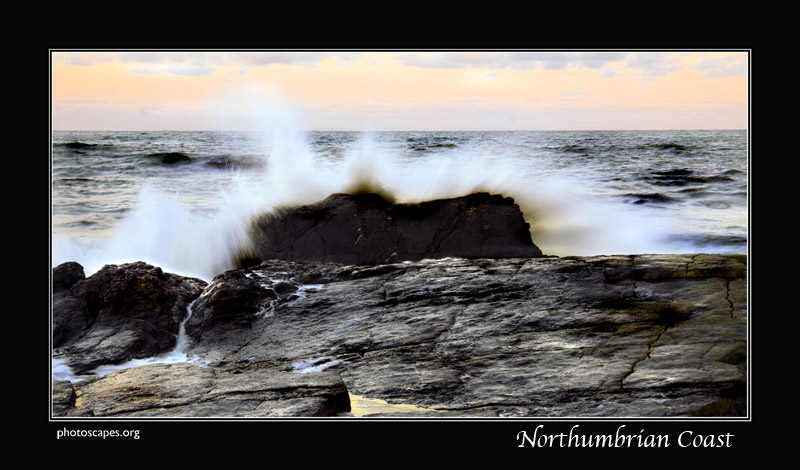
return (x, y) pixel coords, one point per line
(183, 200)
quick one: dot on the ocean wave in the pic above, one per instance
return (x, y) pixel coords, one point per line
(229, 163)
(710, 240)
(424, 147)
(574, 148)
(169, 158)
(74, 145)
(694, 190)
(718, 178)
(733, 172)
(421, 144)
(682, 177)
(645, 198)
(672, 147)
(674, 173)
(593, 146)
(716, 204)
(74, 180)
(80, 223)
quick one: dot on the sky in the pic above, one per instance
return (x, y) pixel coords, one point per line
(398, 90)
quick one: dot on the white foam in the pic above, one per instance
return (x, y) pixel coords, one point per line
(183, 339)
(61, 371)
(301, 293)
(269, 309)
(170, 358)
(315, 365)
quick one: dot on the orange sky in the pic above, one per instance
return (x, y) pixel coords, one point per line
(414, 90)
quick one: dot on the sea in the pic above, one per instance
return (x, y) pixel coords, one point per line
(183, 200)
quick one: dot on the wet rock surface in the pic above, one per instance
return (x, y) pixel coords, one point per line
(119, 313)
(366, 229)
(602, 336)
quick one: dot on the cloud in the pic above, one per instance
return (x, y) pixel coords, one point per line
(491, 75)
(439, 60)
(650, 64)
(609, 72)
(562, 60)
(655, 64)
(165, 57)
(348, 58)
(193, 63)
(722, 66)
(83, 59)
(73, 101)
(573, 93)
(262, 58)
(510, 60)
(189, 70)
(246, 58)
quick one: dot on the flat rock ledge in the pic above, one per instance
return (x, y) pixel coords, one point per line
(601, 336)
(183, 389)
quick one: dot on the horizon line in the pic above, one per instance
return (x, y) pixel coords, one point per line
(412, 130)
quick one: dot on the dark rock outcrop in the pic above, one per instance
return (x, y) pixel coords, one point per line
(71, 315)
(67, 275)
(231, 297)
(120, 313)
(231, 301)
(365, 229)
(603, 336)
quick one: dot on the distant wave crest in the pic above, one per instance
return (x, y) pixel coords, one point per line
(682, 177)
(170, 158)
(75, 145)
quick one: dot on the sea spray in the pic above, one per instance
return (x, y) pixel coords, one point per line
(164, 232)
(370, 169)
